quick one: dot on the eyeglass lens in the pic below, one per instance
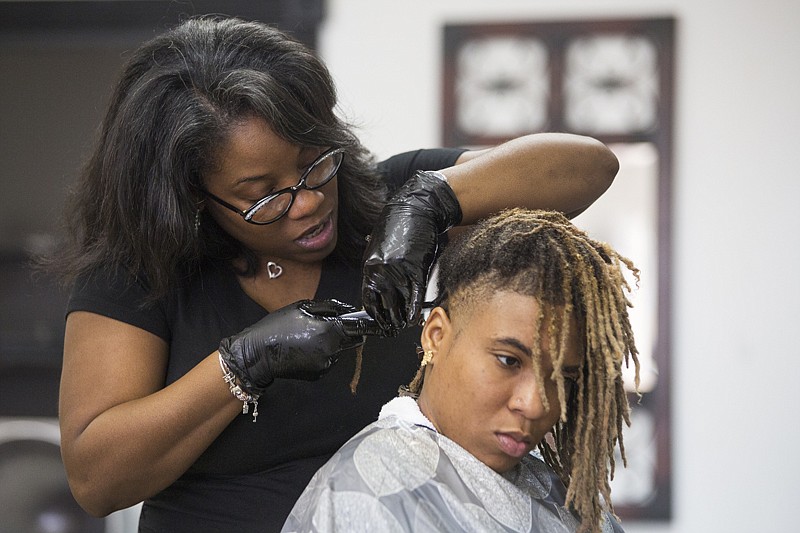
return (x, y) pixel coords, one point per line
(320, 173)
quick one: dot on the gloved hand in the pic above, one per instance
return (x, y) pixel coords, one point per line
(402, 249)
(299, 341)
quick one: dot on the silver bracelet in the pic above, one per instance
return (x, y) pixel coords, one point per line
(240, 394)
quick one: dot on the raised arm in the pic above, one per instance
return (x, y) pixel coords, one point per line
(552, 171)
(557, 171)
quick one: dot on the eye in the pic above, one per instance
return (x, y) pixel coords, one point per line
(303, 168)
(508, 361)
(253, 198)
(257, 191)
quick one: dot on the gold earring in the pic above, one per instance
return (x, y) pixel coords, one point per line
(426, 358)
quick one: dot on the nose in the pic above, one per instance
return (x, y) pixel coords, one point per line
(527, 400)
(306, 202)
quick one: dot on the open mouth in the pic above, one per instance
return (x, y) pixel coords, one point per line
(314, 232)
(317, 237)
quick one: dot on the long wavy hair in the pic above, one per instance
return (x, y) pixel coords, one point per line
(136, 202)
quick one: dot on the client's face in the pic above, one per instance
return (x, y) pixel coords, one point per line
(480, 389)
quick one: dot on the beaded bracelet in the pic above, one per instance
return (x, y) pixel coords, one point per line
(240, 394)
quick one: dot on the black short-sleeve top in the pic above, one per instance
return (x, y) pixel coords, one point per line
(251, 475)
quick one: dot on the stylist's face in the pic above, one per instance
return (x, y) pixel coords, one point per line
(255, 162)
(480, 388)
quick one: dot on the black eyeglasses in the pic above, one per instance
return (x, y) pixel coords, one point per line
(271, 208)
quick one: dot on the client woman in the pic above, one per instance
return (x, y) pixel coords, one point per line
(512, 421)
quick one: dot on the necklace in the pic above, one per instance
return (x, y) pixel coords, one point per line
(274, 270)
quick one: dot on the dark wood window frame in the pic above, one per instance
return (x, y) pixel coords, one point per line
(556, 35)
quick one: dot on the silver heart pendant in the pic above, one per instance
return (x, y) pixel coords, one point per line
(274, 270)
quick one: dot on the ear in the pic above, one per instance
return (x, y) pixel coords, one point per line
(437, 331)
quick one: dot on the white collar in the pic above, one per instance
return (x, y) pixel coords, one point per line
(406, 408)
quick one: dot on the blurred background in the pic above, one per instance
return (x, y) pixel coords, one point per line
(698, 100)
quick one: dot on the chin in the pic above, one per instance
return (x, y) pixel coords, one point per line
(501, 465)
(320, 255)
(506, 467)
(328, 250)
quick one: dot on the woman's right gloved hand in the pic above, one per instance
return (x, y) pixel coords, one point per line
(402, 248)
(299, 341)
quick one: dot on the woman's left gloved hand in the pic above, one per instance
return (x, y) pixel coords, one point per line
(402, 249)
(300, 341)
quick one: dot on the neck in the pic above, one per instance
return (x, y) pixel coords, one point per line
(297, 281)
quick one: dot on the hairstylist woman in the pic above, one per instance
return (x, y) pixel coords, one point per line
(219, 224)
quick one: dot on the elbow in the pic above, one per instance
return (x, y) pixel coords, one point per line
(92, 494)
(99, 500)
(612, 167)
(598, 169)
(599, 176)
(607, 166)
(97, 511)
(91, 498)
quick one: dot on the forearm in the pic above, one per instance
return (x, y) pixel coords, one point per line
(125, 436)
(556, 171)
(137, 448)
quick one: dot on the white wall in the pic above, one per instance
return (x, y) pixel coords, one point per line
(736, 189)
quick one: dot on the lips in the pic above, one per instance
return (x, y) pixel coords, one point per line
(313, 233)
(513, 444)
(318, 236)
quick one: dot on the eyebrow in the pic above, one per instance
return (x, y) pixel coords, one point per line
(249, 179)
(515, 343)
(267, 177)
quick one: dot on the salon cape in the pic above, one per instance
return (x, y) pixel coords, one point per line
(399, 474)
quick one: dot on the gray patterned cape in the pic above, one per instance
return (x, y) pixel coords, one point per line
(398, 474)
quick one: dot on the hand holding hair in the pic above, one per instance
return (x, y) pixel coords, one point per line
(402, 249)
(299, 341)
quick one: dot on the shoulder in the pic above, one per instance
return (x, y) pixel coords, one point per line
(109, 279)
(381, 461)
(388, 456)
(125, 296)
(117, 294)
(398, 168)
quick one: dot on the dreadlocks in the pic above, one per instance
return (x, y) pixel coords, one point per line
(543, 255)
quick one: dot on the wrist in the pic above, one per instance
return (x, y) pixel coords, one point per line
(429, 189)
(236, 389)
(437, 174)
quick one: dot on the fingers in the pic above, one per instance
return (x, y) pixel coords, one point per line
(353, 323)
(374, 302)
(327, 308)
(393, 307)
(387, 314)
(361, 325)
(414, 304)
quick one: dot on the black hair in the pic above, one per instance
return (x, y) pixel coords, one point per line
(136, 203)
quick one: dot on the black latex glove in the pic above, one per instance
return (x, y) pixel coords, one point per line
(299, 341)
(402, 249)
